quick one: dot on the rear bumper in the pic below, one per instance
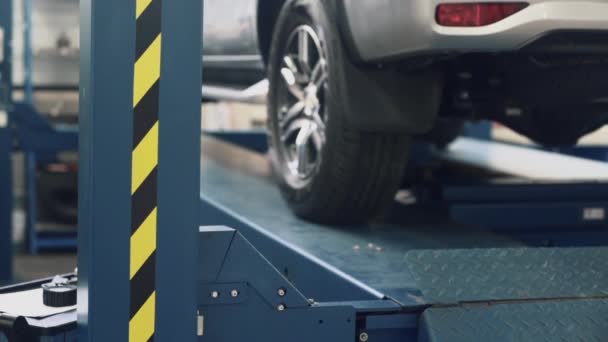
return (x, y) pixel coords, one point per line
(379, 30)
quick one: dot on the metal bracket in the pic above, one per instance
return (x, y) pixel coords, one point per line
(244, 295)
(229, 258)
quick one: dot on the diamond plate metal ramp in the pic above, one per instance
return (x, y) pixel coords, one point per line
(456, 276)
(576, 320)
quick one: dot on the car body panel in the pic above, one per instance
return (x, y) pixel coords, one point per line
(409, 27)
(230, 34)
(396, 29)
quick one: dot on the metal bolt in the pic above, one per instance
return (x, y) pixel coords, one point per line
(281, 307)
(215, 294)
(281, 292)
(234, 293)
(363, 337)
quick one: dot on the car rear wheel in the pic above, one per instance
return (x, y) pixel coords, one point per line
(327, 170)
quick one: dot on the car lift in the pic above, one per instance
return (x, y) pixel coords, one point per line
(271, 277)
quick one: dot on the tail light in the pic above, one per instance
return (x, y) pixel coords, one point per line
(476, 14)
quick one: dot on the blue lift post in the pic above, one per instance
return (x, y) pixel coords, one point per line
(6, 184)
(120, 42)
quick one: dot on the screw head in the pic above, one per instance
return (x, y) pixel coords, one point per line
(234, 293)
(215, 294)
(363, 337)
(281, 292)
(281, 307)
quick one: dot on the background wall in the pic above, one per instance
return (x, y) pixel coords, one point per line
(55, 42)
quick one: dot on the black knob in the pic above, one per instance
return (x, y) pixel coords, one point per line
(58, 295)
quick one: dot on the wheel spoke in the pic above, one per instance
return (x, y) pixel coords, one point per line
(292, 84)
(291, 114)
(291, 64)
(302, 142)
(319, 74)
(293, 127)
(303, 51)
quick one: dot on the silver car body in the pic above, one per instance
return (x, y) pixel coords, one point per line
(409, 27)
(230, 34)
(381, 29)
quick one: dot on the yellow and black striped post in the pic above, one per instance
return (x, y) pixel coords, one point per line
(144, 174)
(139, 196)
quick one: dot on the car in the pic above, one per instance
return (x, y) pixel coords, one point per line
(351, 83)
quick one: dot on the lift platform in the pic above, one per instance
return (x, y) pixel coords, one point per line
(417, 274)
(254, 272)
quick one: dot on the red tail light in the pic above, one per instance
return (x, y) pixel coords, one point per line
(476, 14)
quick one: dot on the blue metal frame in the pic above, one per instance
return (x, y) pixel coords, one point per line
(244, 295)
(40, 142)
(6, 184)
(106, 137)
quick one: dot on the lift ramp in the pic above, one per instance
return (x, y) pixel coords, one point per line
(415, 275)
(524, 294)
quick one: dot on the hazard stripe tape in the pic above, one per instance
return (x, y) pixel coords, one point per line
(144, 170)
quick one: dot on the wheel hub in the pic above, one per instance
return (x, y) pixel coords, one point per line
(303, 115)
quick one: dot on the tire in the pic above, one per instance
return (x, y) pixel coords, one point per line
(355, 174)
